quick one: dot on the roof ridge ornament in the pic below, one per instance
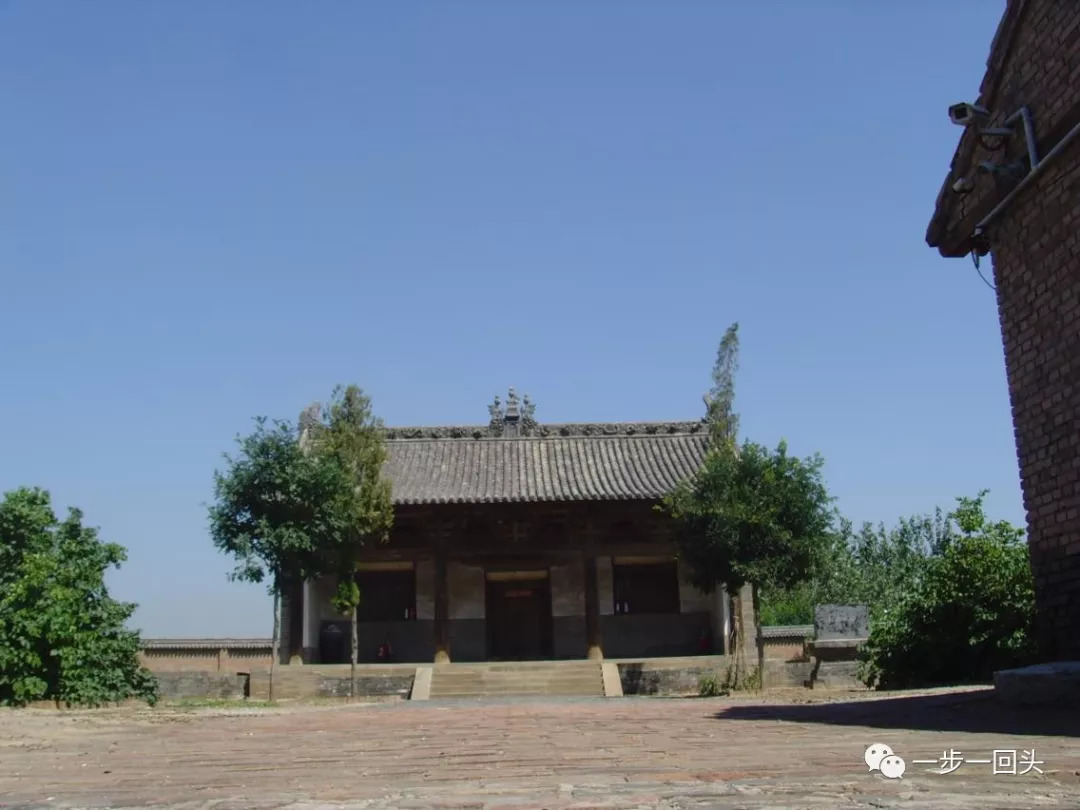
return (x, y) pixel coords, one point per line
(515, 418)
(512, 416)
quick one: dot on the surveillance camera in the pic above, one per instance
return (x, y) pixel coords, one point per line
(963, 186)
(964, 114)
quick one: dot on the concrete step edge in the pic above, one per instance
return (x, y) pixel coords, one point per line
(592, 676)
(443, 696)
(590, 688)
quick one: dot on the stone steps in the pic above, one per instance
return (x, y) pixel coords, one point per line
(531, 679)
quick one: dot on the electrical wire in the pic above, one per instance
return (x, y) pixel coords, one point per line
(975, 261)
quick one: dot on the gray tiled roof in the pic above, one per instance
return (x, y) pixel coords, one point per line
(795, 631)
(203, 643)
(550, 429)
(553, 468)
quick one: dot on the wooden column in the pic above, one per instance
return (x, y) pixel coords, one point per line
(295, 618)
(593, 640)
(442, 608)
(592, 610)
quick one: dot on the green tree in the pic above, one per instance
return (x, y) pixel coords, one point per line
(723, 424)
(832, 578)
(750, 516)
(62, 637)
(720, 401)
(755, 517)
(873, 566)
(352, 437)
(970, 612)
(276, 510)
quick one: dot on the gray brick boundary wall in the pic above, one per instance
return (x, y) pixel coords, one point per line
(224, 655)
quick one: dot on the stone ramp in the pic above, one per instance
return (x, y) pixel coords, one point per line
(517, 679)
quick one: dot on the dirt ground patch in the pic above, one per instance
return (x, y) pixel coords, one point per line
(796, 750)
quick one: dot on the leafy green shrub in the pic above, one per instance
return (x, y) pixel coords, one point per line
(712, 686)
(970, 612)
(873, 565)
(62, 637)
(790, 606)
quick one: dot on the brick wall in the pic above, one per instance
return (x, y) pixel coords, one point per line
(1037, 272)
(1036, 261)
(1036, 255)
(784, 648)
(203, 656)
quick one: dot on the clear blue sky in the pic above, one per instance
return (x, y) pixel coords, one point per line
(217, 210)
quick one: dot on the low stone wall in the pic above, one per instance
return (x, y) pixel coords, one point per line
(305, 681)
(669, 677)
(681, 677)
(787, 674)
(291, 682)
(836, 675)
(205, 685)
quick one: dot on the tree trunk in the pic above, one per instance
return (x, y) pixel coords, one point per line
(757, 636)
(353, 654)
(739, 661)
(275, 643)
(732, 635)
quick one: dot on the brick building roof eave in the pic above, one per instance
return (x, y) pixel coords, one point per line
(937, 235)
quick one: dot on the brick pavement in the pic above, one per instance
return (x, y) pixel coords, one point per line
(635, 752)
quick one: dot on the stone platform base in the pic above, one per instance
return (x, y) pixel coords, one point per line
(667, 677)
(836, 675)
(681, 677)
(1055, 684)
(662, 677)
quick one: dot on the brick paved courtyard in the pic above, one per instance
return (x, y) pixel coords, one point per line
(747, 752)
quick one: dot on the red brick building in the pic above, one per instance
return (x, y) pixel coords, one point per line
(1013, 193)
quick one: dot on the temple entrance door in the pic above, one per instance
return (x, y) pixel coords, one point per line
(519, 618)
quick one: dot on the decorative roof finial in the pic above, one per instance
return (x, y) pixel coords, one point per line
(512, 416)
(528, 416)
(512, 404)
(495, 420)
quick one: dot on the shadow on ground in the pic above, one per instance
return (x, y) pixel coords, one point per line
(973, 712)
